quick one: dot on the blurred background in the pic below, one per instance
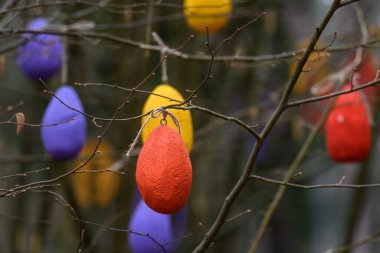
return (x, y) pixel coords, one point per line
(51, 219)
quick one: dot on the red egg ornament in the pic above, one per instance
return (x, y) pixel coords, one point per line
(348, 130)
(164, 172)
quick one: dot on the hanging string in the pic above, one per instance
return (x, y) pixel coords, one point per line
(155, 113)
(64, 68)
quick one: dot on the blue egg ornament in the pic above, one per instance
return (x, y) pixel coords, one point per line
(65, 139)
(41, 56)
(178, 220)
(160, 226)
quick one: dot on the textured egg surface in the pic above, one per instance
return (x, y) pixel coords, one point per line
(164, 172)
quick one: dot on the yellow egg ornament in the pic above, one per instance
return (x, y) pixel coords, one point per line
(317, 67)
(95, 188)
(183, 116)
(212, 13)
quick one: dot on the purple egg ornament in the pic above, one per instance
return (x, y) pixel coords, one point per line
(157, 225)
(178, 221)
(41, 56)
(66, 139)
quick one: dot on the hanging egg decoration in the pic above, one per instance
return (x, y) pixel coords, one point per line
(41, 56)
(367, 73)
(164, 172)
(311, 81)
(318, 68)
(215, 14)
(141, 221)
(348, 130)
(164, 95)
(179, 224)
(158, 226)
(95, 188)
(63, 129)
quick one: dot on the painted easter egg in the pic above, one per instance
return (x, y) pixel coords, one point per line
(213, 13)
(63, 129)
(158, 226)
(171, 96)
(317, 67)
(164, 173)
(310, 81)
(140, 222)
(348, 130)
(95, 188)
(367, 73)
(41, 56)
(179, 224)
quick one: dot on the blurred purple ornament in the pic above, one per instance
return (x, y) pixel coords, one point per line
(162, 227)
(179, 224)
(41, 56)
(158, 226)
(66, 139)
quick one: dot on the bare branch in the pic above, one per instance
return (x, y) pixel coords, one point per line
(24, 174)
(357, 244)
(317, 186)
(220, 116)
(334, 94)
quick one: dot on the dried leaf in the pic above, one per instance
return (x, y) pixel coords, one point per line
(20, 119)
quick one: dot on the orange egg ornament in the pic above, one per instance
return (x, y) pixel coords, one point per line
(348, 130)
(214, 14)
(367, 73)
(95, 188)
(164, 172)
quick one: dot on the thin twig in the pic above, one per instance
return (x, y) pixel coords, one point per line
(124, 231)
(26, 173)
(333, 94)
(238, 215)
(338, 185)
(355, 245)
(10, 122)
(220, 116)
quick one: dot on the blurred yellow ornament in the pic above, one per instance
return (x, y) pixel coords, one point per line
(97, 188)
(183, 116)
(315, 69)
(33, 239)
(3, 62)
(213, 13)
